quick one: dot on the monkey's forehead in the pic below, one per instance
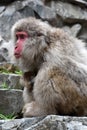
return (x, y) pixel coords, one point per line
(30, 23)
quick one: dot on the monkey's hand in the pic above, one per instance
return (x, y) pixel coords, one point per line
(32, 109)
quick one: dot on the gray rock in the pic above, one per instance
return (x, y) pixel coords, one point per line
(82, 3)
(3, 55)
(74, 30)
(69, 13)
(43, 12)
(65, 13)
(26, 9)
(83, 33)
(14, 81)
(79, 2)
(11, 101)
(11, 14)
(22, 124)
(2, 2)
(18, 10)
(1, 40)
(2, 58)
(10, 81)
(51, 122)
(83, 37)
(5, 49)
(2, 8)
(2, 122)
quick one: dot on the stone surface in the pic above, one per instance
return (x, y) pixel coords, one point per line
(43, 12)
(10, 81)
(2, 2)
(2, 58)
(52, 122)
(74, 30)
(56, 13)
(10, 101)
(79, 2)
(2, 8)
(4, 50)
(70, 13)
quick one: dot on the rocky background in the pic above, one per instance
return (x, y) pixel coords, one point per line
(70, 15)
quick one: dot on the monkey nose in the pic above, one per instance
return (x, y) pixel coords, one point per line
(16, 47)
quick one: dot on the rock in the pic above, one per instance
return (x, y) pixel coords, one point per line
(11, 14)
(2, 122)
(3, 51)
(58, 14)
(2, 58)
(18, 10)
(11, 101)
(79, 2)
(43, 12)
(3, 55)
(10, 81)
(83, 33)
(83, 37)
(74, 30)
(69, 13)
(25, 10)
(51, 122)
(23, 123)
(2, 8)
(1, 41)
(2, 2)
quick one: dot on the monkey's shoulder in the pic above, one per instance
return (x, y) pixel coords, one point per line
(55, 74)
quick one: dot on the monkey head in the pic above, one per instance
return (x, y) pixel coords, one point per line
(29, 38)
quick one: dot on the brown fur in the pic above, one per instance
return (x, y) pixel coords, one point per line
(58, 64)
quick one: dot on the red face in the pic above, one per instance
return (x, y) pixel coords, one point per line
(21, 37)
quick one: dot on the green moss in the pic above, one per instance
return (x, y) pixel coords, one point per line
(6, 70)
(6, 117)
(4, 85)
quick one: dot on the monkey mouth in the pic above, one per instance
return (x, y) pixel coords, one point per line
(17, 56)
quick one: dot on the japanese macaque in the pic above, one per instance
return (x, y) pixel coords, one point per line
(54, 67)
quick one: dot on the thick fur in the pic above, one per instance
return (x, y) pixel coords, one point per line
(59, 62)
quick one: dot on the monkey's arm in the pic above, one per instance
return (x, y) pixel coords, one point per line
(27, 80)
(56, 93)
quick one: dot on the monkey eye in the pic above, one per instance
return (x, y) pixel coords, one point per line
(39, 34)
(21, 35)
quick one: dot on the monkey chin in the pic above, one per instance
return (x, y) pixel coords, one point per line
(21, 64)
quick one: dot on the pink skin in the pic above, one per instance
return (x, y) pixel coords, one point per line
(21, 37)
